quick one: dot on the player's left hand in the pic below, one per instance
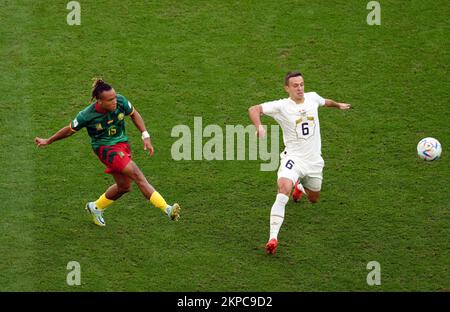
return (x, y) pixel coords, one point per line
(344, 106)
(148, 147)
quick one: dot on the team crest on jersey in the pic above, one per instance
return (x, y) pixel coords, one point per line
(121, 116)
(99, 127)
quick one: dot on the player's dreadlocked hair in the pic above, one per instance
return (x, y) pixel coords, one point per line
(98, 87)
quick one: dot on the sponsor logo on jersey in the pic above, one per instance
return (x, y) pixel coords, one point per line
(110, 121)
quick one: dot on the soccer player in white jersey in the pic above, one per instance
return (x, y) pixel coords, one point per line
(301, 161)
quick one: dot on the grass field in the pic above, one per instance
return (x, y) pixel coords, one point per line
(179, 59)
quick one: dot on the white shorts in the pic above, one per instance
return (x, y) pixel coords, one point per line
(294, 168)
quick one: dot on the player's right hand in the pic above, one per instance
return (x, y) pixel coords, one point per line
(260, 132)
(41, 142)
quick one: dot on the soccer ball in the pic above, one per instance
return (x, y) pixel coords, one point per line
(429, 149)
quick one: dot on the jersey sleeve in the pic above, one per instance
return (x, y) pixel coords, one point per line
(271, 108)
(127, 106)
(78, 122)
(320, 100)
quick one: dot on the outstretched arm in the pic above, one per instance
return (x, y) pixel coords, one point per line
(331, 103)
(255, 113)
(140, 125)
(61, 134)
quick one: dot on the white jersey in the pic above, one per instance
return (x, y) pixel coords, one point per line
(300, 125)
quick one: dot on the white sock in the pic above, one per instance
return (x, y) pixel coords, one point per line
(277, 215)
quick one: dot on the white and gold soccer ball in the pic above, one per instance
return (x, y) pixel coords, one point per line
(429, 149)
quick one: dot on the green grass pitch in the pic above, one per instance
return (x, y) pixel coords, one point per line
(175, 60)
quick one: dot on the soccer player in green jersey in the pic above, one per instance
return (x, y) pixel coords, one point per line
(105, 124)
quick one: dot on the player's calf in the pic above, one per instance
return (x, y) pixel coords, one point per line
(123, 190)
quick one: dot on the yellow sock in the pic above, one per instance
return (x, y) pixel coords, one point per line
(158, 201)
(102, 202)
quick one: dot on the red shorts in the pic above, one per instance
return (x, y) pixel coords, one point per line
(115, 157)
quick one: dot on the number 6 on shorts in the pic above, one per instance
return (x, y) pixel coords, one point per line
(290, 164)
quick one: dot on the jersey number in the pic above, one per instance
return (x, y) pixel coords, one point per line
(305, 128)
(112, 131)
(290, 163)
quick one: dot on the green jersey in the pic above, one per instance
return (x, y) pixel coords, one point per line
(104, 128)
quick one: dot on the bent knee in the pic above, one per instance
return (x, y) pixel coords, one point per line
(285, 189)
(133, 172)
(313, 200)
(313, 197)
